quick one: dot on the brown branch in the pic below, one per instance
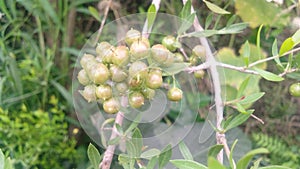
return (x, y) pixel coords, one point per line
(103, 20)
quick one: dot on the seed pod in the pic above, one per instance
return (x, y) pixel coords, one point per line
(136, 100)
(162, 55)
(178, 57)
(86, 58)
(174, 94)
(103, 92)
(105, 52)
(139, 50)
(98, 73)
(131, 36)
(199, 51)
(169, 42)
(199, 74)
(117, 74)
(111, 106)
(121, 56)
(148, 93)
(83, 77)
(89, 93)
(138, 69)
(154, 79)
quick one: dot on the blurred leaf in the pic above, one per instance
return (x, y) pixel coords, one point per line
(234, 28)
(151, 15)
(94, 13)
(214, 8)
(199, 34)
(63, 91)
(258, 36)
(186, 10)
(254, 12)
(208, 20)
(174, 68)
(134, 124)
(164, 156)
(119, 129)
(286, 46)
(296, 38)
(185, 151)
(242, 87)
(275, 53)
(114, 141)
(126, 161)
(8, 164)
(240, 108)
(231, 20)
(214, 150)
(150, 153)
(256, 164)
(137, 140)
(237, 120)
(186, 24)
(268, 75)
(252, 98)
(2, 159)
(94, 156)
(152, 163)
(244, 161)
(231, 161)
(275, 167)
(246, 53)
(187, 164)
(50, 11)
(130, 149)
(214, 164)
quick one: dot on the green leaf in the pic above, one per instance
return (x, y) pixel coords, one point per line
(94, 13)
(174, 68)
(187, 164)
(199, 34)
(151, 15)
(231, 20)
(165, 156)
(152, 163)
(134, 124)
(185, 151)
(275, 167)
(50, 11)
(246, 53)
(2, 159)
(114, 141)
(275, 53)
(137, 140)
(119, 129)
(286, 46)
(237, 120)
(232, 29)
(214, 8)
(296, 38)
(8, 164)
(64, 92)
(186, 10)
(256, 164)
(131, 150)
(258, 36)
(242, 87)
(126, 161)
(231, 161)
(214, 164)
(208, 20)
(94, 156)
(244, 161)
(240, 108)
(268, 75)
(186, 23)
(214, 150)
(150, 153)
(252, 98)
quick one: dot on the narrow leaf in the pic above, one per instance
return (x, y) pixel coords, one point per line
(174, 68)
(94, 13)
(296, 38)
(151, 15)
(187, 164)
(231, 161)
(274, 167)
(150, 153)
(2, 160)
(208, 20)
(246, 53)
(137, 140)
(114, 141)
(275, 53)
(237, 120)
(214, 164)
(235, 28)
(286, 46)
(186, 10)
(131, 150)
(165, 156)
(252, 98)
(185, 151)
(242, 87)
(199, 34)
(94, 156)
(268, 75)
(214, 150)
(231, 20)
(258, 36)
(119, 129)
(214, 8)
(152, 163)
(244, 161)
(50, 10)
(134, 124)
(240, 108)
(256, 164)
(186, 24)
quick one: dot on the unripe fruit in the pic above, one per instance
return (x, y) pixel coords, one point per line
(162, 55)
(178, 57)
(103, 92)
(111, 106)
(199, 74)
(135, 82)
(138, 69)
(139, 50)
(154, 79)
(117, 74)
(295, 89)
(145, 40)
(102, 48)
(148, 93)
(89, 93)
(83, 77)
(199, 51)
(121, 56)
(194, 60)
(98, 73)
(169, 42)
(136, 100)
(131, 36)
(122, 87)
(174, 94)
(105, 52)
(86, 58)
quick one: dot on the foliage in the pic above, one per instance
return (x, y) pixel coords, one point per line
(37, 139)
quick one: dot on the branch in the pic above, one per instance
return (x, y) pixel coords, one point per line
(103, 20)
(216, 83)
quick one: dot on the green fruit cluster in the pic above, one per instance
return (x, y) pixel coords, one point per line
(134, 70)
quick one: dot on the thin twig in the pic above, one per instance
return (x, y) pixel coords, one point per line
(258, 119)
(227, 151)
(216, 83)
(103, 21)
